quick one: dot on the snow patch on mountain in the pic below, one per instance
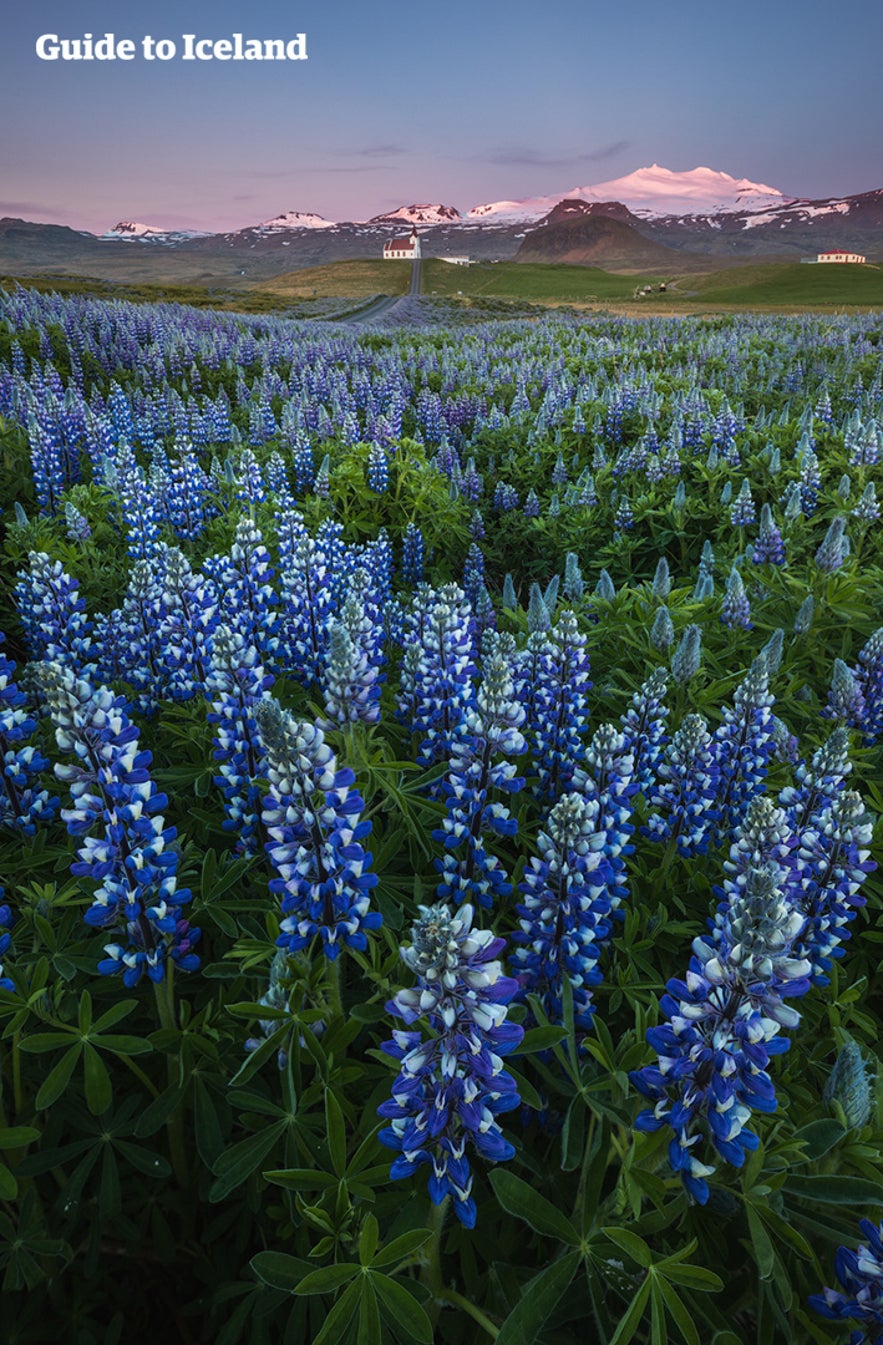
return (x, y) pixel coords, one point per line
(129, 230)
(295, 219)
(419, 214)
(649, 193)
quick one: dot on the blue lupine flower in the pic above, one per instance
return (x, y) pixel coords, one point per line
(244, 583)
(23, 803)
(443, 673)
(845, 698)
(189, 617)
(412, 555)
(352, 673)
(492, 727)
(742, 512)
(686, 790)
(126, 848)
(378, 469)
(832, 862)
(6, 922)
(311, 814)
(564, 918)
(52, 613)
(306, 597)
(644, 725)
(769, 549)
(861, 1276)
(736, 610)
(76, 525)
(662, 632)
(560, 705)
(743, 744)
(236, 684)
(722, 1028)
(451, 1085)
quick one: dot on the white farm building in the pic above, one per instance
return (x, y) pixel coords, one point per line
(840, 255)
(402, 249)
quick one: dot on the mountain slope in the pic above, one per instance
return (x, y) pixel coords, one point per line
(581, 234)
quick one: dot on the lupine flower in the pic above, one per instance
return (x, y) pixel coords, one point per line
(189, 617)
(244, 583)
(352, 689)
(867, 509)
(605, 589)
(126, 848)
(412, 555)
(722, 1028)
(661, 579)
(564, 917)
(451, 1085)
(849, 1085)
(803, 619)
(644, 725)
(832, 862)
(306, 597)
(686, 790)
(492, 727)
(769, 549)
(736, 611)
(662, 632)
(560, 705)
(443, 673)
(742, 512)
(869, 677)
(6, 921)
(861, 1300)
(23, 803)
(77, 526)
(688, 655)
(236, 684)
(830, 554)
(52, 613)
(845, 699)
(311, 814)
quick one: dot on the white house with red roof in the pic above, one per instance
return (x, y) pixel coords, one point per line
(840, 255)
(402, 249)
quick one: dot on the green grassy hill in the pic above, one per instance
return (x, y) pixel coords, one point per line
(787, 283)
(538, 281)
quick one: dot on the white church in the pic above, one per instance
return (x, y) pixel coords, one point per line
(402, 249)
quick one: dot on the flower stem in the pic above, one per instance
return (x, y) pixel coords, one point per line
(457, 1300)
(335, 998)
(164, 992)
(432, 1270)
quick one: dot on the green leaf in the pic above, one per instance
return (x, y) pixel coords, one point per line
(16, 1137)
(158, 1112)
(8, 1184)
(404, 1309)
(631, 1244)
(237, 1164)
(209, 1139)
(836, 1190)
(327, 1279)
(694, 1277)
(114, 1014)
(279, 1270)
(629, 1324)
(540, 1039)
(300, 1179)
(679, 1313)
(764, 1253)
(336, 1323)
(153, 1164)
(401, 1247)
(369, 1315)
(368, 1239)
(99, 1093)
(819, 1137)
(525, 1203)
(541, 1296)
(58, 1078)
(335, 1129)
(573, 1134)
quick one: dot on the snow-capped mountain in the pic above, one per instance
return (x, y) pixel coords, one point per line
(129, 230)
(295, 219)
(419, 214)
(649, 193)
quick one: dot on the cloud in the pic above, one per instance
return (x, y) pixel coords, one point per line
(375, 151)
(30, 208)
(522, 156)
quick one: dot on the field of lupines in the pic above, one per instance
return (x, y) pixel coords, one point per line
(436, 829)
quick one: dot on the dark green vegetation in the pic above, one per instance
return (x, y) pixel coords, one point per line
(159, 1181)
(530, 280)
